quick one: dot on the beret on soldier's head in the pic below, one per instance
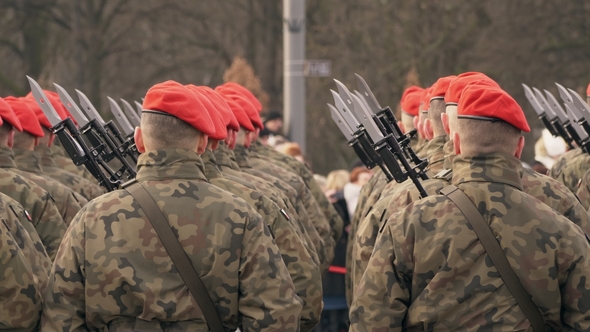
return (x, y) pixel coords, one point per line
(239, 113)
(7, 115)
(410, 102)
(26, 116)
(174, 99)
(244, 92)
(220, 103)
(245, 104)
(490, 103)
(439, 88)
(457, 85)
(30, 101)
(218, 122)
(425, 100)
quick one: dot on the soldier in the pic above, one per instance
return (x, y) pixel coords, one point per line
(45, 215)
(20, 292)
(429, 251)
(80, 185)
(302, 269)
(64, 162)
(433, 125)
(225, 239)
(569, 168)
(29, 162)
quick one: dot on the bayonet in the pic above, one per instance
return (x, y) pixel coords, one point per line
(541, 114)
(89, 108)
(130, 112)
(139, 108)
(342, 125)
(44, 103)
(580, 104)
(345, 111)
(545, 105)
(568, 102)
(575, 131)
(366, 120)
(71, 106)
(126, 127)
(364, 89)
(348, 99)
(362, 98)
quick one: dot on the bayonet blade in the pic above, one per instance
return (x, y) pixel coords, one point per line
(44, 103)
(569, 103)
(139, 108)
(71, 106)
(556, 107)
(126, 127)
(369, 97)
(367, 120)
(580, 104)
(345, 111)
(530, 96)
(545, 104)
(347, 98)
(89, 108)
(362, 98)
(342, 125)
(130, 112)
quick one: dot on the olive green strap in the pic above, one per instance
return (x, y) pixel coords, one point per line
(494, 250)
(179, 257)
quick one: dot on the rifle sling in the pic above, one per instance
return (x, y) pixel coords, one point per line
(494, 250)
(179, 257)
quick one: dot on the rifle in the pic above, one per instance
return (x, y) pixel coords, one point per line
(127, 146)
(579, 111)
(573, 128)
(383, 144)
(72, 140)
(553, 126)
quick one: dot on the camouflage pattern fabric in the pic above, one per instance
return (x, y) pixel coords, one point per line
(435, 153)
(570, 167)
(302, 269)
(449, 153)
(303, 203)
(63, 161)
(297, 167)
(20, 293)
(44, 214)
(78, 184)
(231, 168)
(112, 273)
(422, 276)
(29, 166)
(583, 191)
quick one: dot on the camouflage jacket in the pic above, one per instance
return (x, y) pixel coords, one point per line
(325, 246)
(26, 238)
(44, 214)
(226, 240)
(422, 275)
(29, 166)
(570, 167)
(77, 183)
(297, 167)
(229, 167)
(583, 192)
(64, 162)
(303, 270)
(435, 153)
(20, 292)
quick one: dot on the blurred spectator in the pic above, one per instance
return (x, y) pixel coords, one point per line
(548, 148)
(358, 177)
(274, 122)
(276, 140)
(321, 180)
(264, 135)
(293, 150)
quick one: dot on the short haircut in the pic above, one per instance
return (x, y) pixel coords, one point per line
(5, 132)
(437, 107)
(408, 122)
(161, 131)
(23, 141)
(485, 137)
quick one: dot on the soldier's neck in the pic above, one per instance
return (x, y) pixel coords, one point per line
(28, 161)
(487, 168)
(6, 157)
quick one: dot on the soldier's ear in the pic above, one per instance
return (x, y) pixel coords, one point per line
(457, 143)
(519, 147)
(214, 145)
(36, 141)
(51, 140)
(139, 144)
(428, 131)
(416, 121)
(202, 145)
(445, 121)
(10, 142)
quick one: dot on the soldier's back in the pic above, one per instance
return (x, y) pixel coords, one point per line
(570, 167)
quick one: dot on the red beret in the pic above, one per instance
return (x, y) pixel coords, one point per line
(26, 116)
(240, 114)
(7, 115)
(410, 102)
(222, 107)
(588, 90)
(244, 92)
(457, 85)
(30, 101)
(218, 122)
(440, 87)
(485, 102)
(175, 99)
(245, 105)
(425, 100)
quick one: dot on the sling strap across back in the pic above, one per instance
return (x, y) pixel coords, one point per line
(494, 250)
(179, 257)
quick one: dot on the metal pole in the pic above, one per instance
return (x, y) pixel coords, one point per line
(294, 80)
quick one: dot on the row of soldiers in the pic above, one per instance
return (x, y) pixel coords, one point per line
(253, 222)
(415, 263)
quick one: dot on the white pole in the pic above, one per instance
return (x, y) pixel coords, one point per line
(294, 80)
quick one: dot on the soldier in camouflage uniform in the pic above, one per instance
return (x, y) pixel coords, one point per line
(302, 269)
(20, 291)
(583, 191)
(226, 240)
(428, 250)
(45, 215)
(78, 184)
(63, 161)
(570, 167)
